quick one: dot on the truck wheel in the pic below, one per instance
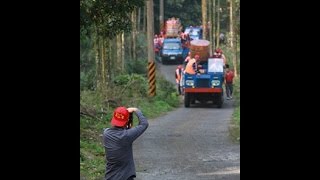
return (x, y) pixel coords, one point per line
(220, 101)
(186, 100)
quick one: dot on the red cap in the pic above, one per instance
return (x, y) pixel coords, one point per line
(218, 50)
(120, 117)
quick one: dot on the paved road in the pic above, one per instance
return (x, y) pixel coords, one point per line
(188, 144)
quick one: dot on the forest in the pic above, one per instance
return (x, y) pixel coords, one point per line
(114, 60)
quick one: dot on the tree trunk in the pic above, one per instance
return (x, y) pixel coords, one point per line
(112, 57)
(161, 18)
(204, 18)
(107, 61)
(128, 51)
(96, 51)
(233, 47)
(218, 24)
(103, 66)
(138, 20)
(119, 56)
(144, 18)
(213, 25)
(122, 52)
(133, 34)
(209, 26)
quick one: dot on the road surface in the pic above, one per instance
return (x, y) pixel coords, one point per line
(188, 143)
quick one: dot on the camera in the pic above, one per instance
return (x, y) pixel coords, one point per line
(130, 121)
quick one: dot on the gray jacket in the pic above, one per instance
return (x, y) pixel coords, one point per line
(118, 148)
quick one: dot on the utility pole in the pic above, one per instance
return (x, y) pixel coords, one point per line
(151, 63)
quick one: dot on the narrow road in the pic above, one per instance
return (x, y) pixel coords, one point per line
(188, 143)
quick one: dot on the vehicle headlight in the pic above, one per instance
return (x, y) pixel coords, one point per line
(215, 82)
(189, 82)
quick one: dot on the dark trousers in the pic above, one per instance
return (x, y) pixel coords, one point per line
(179, 89)
(229, 89)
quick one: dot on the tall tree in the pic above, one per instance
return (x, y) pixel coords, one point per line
(144, 18)
(119, 53)
(107, 18)
(204, 18)
(209, 25)
(213, 25)
(103, 65)
(134, 33)
(233, 47)
(218, 24)
(139, 20)
(97, 60)
(122, 52)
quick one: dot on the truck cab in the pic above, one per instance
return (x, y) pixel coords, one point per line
(194, 32)
(171, 51)
(205, 86)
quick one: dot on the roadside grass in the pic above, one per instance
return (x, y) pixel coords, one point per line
(235, 123)
(92, 153)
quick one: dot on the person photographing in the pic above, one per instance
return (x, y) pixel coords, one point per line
(118, 143)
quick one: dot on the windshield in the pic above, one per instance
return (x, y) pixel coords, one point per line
(215, 65)
(192, 32)
(171, 46)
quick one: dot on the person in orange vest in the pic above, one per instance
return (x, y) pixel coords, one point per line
(229, 82)
(187, 59)
(178, 75)
(192, 66)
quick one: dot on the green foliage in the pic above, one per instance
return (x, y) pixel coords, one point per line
(139, 66)
(132, 91)
(132, 86)
(87, 63)
(228, 53)
(109, 17)
(235, 130)
(166, 91)
(92, 161)
(188, 11)
(92, 99)
(235, 125)
(142, 46)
